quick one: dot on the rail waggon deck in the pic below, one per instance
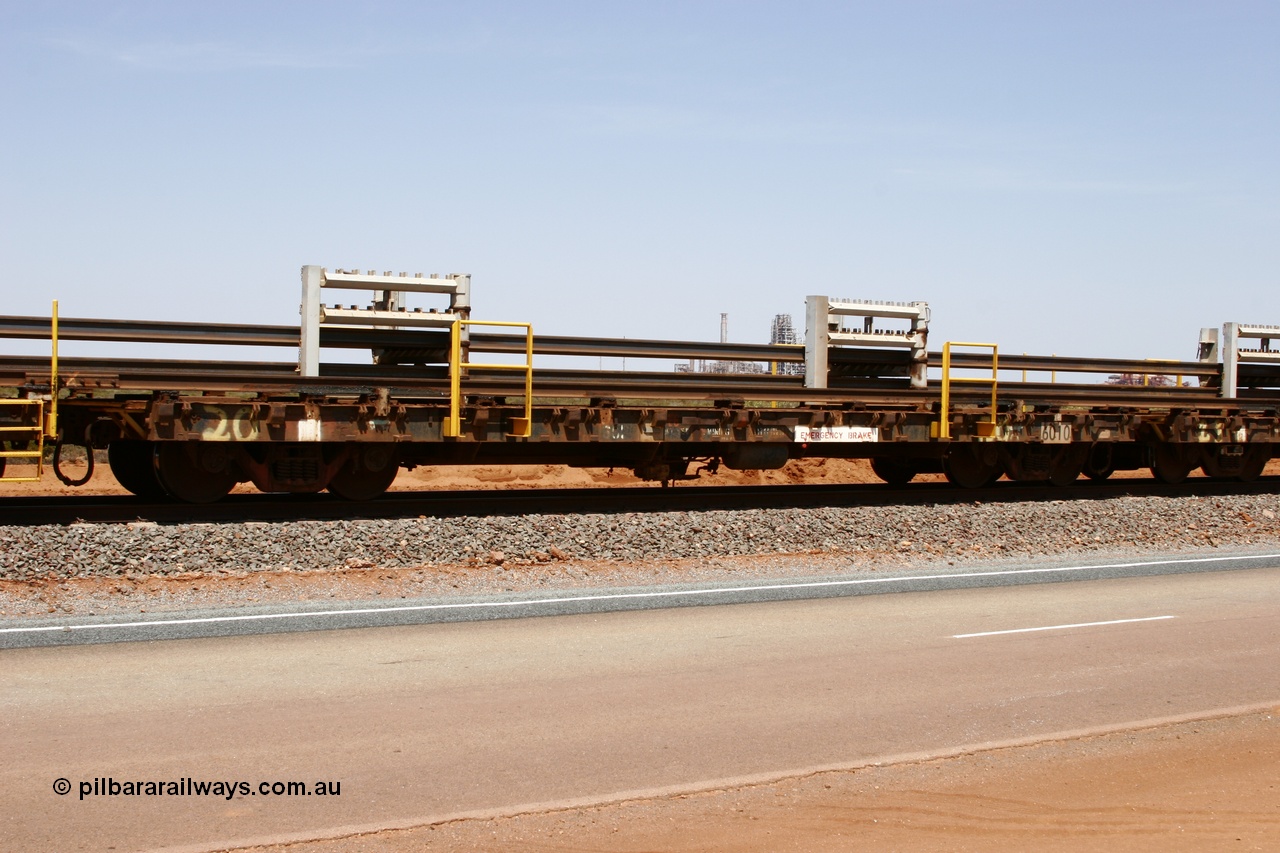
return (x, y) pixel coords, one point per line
(443, 388)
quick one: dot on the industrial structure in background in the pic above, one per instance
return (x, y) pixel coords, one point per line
(721, 366)
(781, 333)
(863, 383)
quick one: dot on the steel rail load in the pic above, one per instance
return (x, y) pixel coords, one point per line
(864, 384)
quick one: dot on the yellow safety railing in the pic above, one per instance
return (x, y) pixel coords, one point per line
(36, 428)
(26, 434)
(984, 429)
(520, 427)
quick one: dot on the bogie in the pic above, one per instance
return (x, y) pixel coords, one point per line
(1243, 462)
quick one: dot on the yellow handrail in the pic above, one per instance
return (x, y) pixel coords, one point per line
(51, 429)
(521, 427)
(39, 429)
(33, 432)
(944, 427)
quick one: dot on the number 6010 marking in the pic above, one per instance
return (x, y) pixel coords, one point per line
(1055, 432)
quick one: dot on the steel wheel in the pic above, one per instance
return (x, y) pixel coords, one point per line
(1101, 462)
(133, 465)
(1255, 460)
(971, 467)
(195, 472)
(891, 471)
(1066, 465)
(1246, 467)
(367, 473)
(1169, 464)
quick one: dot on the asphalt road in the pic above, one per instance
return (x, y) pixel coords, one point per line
(68, 630)
(422, 721)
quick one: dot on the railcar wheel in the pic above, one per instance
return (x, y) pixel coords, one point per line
(195, 472)
(1100, 463)
(1255, 461)
(1235, 462)
(971, 467)
(133, 465)
(1170, 464)
(1066, 465)
(892, 472)
(367, 473)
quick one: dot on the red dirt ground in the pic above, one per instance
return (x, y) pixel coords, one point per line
(1193, 786)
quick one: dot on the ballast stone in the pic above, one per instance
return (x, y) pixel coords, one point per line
(117, 550)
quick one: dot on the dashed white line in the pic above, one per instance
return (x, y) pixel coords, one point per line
(618, 596)
(1060, 627)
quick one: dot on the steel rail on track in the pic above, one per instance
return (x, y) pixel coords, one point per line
(213, 334)
(430, 381)
(149, 331)
(122, 509)
(342, 380)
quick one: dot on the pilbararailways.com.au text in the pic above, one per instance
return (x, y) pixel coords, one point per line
(188, 787)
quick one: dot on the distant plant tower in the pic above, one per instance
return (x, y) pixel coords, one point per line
(783, 332)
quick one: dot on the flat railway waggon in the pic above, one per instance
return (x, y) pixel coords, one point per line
(443, 388)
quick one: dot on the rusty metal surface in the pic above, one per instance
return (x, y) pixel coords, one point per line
(431, 381)
(617, 434)
(148, 331)
(210, 334)
(869, 400)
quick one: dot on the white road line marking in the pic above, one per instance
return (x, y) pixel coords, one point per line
(618, 596)
(1060, 627)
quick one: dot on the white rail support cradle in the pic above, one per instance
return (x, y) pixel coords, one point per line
(388, 310)
(1207, 352)
(1233, 353)
(824, 323)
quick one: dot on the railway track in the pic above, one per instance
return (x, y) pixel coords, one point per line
(120, 509)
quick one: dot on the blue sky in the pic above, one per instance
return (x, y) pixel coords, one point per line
(1081, 178)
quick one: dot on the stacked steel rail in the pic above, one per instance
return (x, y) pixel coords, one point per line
(191, 429)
